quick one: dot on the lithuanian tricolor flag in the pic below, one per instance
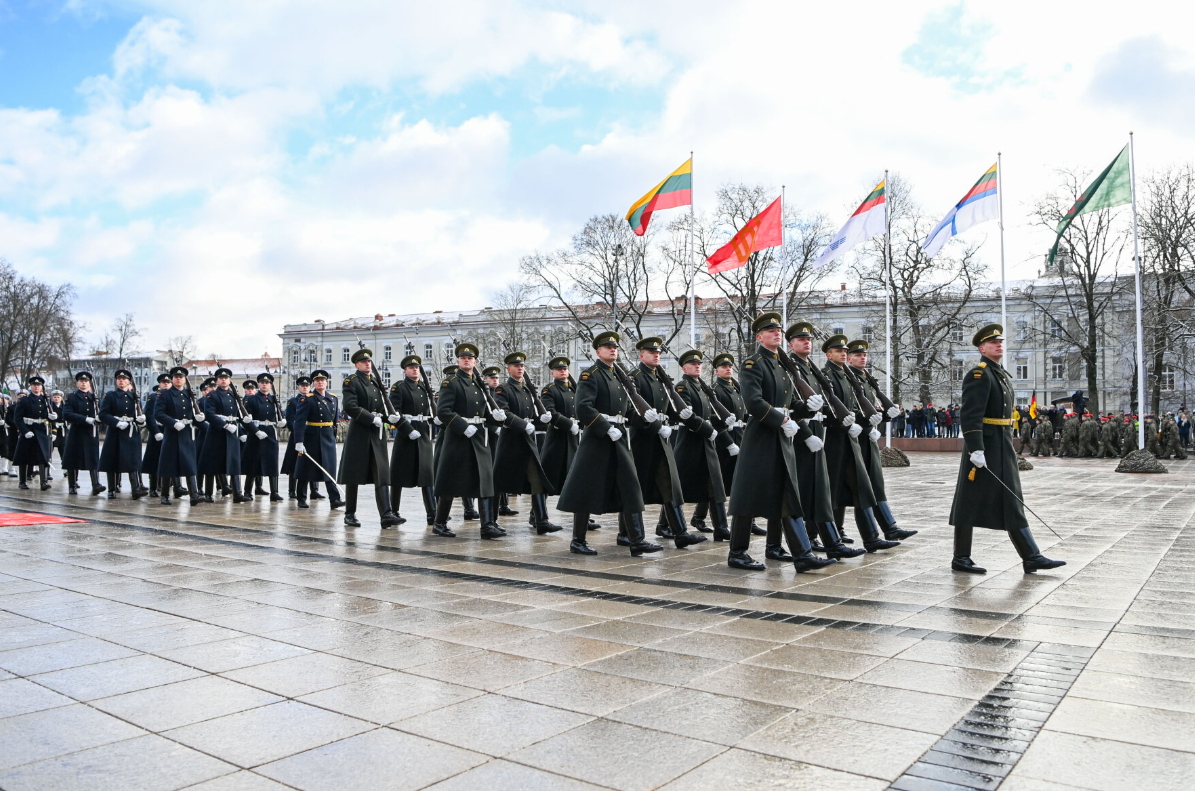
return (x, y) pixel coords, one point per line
(676, 190)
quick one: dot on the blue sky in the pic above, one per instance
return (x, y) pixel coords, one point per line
(245, 159)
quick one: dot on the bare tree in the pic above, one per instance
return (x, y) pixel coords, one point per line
(124, 334)
(180, 348)
(33, 316)
(1085, 284)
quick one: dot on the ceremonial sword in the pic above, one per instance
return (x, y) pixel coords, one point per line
(320, 467)
(1022, 502)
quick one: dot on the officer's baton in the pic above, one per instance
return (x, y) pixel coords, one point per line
(1022, 502)
(320, 467)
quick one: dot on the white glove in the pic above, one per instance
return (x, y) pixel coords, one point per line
(90, 421)
(200, 417)
(893, 411)
(254, 424)
(243, 438)
(815, 402)
(731, 423)
(686, 413)
(529, 428)
(875, 435)
(664, 431)
(575, 427)
(28, 435)
(498, 430)
(122, 424)
(855, 430)
(814, 443)
(393, 419)
(414, 434)
(498, 414)
(159, 436)
(260, 434)
(614, 434)
(875, 419)
(470, 431)
(789, 427)
(300, 447)
(651, 415)
(437, 420)
(848, 421)
(279, 424)
(377, 420)
(248, 419)
(231, 428)
(977, 458)
(140, 420)
(545, 417)
(28, 421)
(179, 425)
(732, 449)
(51, 415)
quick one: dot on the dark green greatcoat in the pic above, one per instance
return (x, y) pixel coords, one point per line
(844, 458)
(603, 478)
(464, 465)
(517, 469)
(560, 444)
(655, 462)
(869, 448)
(695, 451)
(364, 458)
(729, 394)
(765, 480)
(813, 473)
(983, 502)
(412, 462)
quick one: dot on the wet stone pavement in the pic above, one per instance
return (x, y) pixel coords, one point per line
(258, 646)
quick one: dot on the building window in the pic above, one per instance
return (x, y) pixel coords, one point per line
(956, 370)
(838, 330)
(344, 354)
(328, 355)
(1055, 328)
(387, 355)
(1022, 330)
(311, 355)
(428, 354)
(386, 372)
(294, 356)
(868, 333)
(1022, 370)
(1167, 377)
(408, 348)
(1057, 369)
(956, 333)
(448, 350)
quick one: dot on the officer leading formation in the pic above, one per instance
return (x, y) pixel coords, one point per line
(788, 443)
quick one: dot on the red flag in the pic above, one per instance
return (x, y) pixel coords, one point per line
(764, 230)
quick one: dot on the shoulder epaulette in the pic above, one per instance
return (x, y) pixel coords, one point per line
(444, 383)
(981, 365)
(636, 372)
(680, 388)
(749, 362)
(546, 389)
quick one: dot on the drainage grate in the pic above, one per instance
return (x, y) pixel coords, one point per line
(984, 746)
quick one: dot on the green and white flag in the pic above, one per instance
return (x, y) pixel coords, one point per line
(1110, 188)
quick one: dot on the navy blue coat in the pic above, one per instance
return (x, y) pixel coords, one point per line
(153, 448)
(35, 449)
(83, 439)
(221, 453)
(319, 442)
(288, 457)
(261, 455)
(8, 439)
(122, 447)
(178, 456)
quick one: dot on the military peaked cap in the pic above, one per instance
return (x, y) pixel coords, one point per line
(802, 329)
(409, 360)
(362, 354)
(466, 349)
(449, 370)
(83, 376)
(320, 373)
(650, 344)
(123, 373)
(492, 370)
(516, 358)
(164, 378)
(989, 332)
(607, 338)
(266, 377)
(302, 380)
(857, 345)
(177, 370)
(36, 380)
(725, 358)
(249, 384)
(691, 356)
(209, 382)
(223, 372)
(557, 363)
(769, 320)
(834, 342)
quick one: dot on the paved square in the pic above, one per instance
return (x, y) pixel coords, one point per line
(258, 646)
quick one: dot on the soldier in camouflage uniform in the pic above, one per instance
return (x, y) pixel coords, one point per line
(1089, 436)
(1110, 438)
(1043, 437)
(1169, 440)
(1025, 433)
(1128, 437)
(1151, 436)
(1070, 437)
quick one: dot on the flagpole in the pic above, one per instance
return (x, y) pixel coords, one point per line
(693, 262)
(783, 268)
(1140, 328)
(888, 300)
(1003, 287)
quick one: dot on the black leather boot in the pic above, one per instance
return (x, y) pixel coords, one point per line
(274, 496)
(334, 498)
(137, 486)
(315, 495)
(594, 525)
(840, 523)
(578, 546)
(772, 548)
(697, 521)
(258, 489)
(756, 530)
(153, 485)
(489, 518)
(290, 487)
(798, 544)
(180, 490)
(429, 504)
(225, 488)
(237, 497)
(45, 473)
(350, 505)
(883, 515)
(471, 514)
(96, 488)
(504, 508)
(440, 523)
(622, 540)
(635, 534)
(393, 506)
(718, 520)
(381, 495)
(676, 524)
(111, 485)
(662, 530)
(302, 497)
(24, 470)
(833, 543)
(962, 552)
(870, 531)
(539, 515)
(740, 541)
(193, 485)
(72, 481)
(1031, 557)
(209, 488)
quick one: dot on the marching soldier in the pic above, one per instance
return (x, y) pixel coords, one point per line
(249, 458)
(517, 468)
(267, 417)
(1070, 436)
(82, 410)
(492, 376)
(412, 462)
(491, 380)
(1025, 434)
(120, 411)
(153, 445)
(221, 453)
(563, 433)
(302, 387)
(988, 492)
(696, 451)
(7, 443)
(1089, 436)
(765, 480)
(1151, 436)
(1128, 436)
(364, 459)
(857, 357)
(314, 434)
(726, 390)
(33, 415)
(844, 457)
(178, 416)
(464, 465)
(58, 427)
(1043, 436)
(1110, 438)
(1169, 441)
(654, 458)
(603, 478)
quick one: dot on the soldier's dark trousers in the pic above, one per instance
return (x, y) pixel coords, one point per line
(794, 534)
(429, 504)
(443, 509)
(381, 495)
(864, 521)
(153, 484)
(291, 485)
(740, 534)
(470, 511)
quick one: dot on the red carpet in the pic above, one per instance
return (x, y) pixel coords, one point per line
(27, 518)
